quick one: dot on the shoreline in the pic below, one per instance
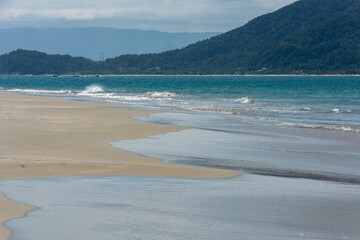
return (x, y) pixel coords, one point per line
(44, 137)
(10, 210)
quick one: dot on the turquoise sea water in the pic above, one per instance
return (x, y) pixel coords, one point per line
(331, 102)
(302, 132)
(290, 126)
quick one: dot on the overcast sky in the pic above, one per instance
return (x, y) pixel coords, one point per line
(163, 15)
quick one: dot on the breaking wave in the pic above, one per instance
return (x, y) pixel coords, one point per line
(93, 89)
(286, 114)
(99, 92)
(161, 94)
(320, 126)
(40, 91)
(352, 111)
(245, 100)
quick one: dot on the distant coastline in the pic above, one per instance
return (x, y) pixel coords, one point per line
(101, 42)
(303, 38)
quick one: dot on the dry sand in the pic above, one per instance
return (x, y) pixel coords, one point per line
(50, 137)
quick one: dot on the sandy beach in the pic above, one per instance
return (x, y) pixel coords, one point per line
(10, 210)
(51, 137)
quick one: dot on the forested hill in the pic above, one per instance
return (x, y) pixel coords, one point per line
(34, 62)
(308, 36)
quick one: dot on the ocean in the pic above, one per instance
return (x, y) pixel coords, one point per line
(291, 126)
(295, 140)
(329, 102)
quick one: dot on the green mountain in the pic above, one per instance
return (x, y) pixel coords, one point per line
(34, 62)
(308, 36)
(313, 36)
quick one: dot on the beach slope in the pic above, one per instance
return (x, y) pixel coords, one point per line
(50, 137)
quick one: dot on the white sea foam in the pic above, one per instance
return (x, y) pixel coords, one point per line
(132, 98)
(97, 95)
(306, 109)
(93, 89)
(335, 110)
(40, 91)
(320, 126)
(206, 108)
(245, 100)
(114, 96)
(161, 94)
(353, 111)
(216, 109)
(97, 91)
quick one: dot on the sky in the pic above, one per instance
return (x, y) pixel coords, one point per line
(162, 15)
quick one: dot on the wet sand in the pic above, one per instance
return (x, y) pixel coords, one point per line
(50, 137)
(10, 210)
(248, 207)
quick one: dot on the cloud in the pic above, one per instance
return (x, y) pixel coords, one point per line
(272, 4)
(169, 15)
(4, 2)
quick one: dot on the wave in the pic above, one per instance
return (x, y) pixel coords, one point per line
(97, 91)
(161, 94)
(353, 111)
(319, 126)
(40, 91)
(207, 108)
(245, 100)
(263, 112)
(114, 96)
(93, 89)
